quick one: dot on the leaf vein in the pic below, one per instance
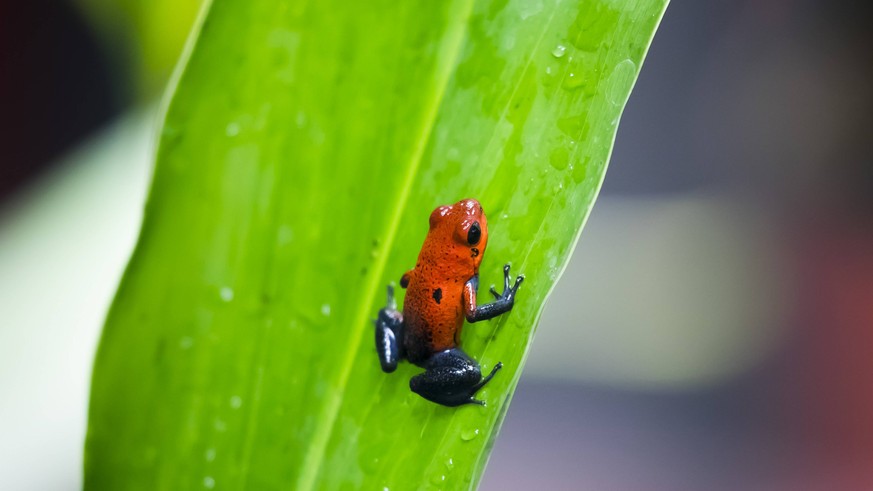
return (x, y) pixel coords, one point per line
(326, 420)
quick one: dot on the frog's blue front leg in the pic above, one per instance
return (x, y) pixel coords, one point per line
(389, 334)
(502, 302)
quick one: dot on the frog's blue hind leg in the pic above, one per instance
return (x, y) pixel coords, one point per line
(451, 378)
(389, 334)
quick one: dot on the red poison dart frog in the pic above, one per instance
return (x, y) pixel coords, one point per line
(441, 293)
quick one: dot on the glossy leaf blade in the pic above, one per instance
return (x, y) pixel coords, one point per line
(302, 152)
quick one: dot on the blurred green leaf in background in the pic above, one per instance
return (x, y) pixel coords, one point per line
(301, 154)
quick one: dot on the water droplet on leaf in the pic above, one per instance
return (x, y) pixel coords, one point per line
(573, 81)
(620, 81)
(226, 293)
(468, 435)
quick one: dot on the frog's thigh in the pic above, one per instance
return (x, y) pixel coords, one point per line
(450, 378)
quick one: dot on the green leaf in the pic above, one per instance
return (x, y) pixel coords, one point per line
(302, 153)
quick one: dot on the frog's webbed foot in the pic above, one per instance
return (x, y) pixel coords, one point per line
(508, 291)
(389, 334)
(502, 303)
(451, 378)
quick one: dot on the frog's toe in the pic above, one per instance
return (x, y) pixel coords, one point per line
(518, 281)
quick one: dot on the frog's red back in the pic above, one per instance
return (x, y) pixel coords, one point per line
(433, 309)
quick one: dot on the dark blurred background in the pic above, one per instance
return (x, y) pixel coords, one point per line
(68, 68)
(57, 87)
(750, 359)
(714, 329)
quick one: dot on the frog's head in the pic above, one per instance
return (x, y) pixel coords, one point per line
(462, 229)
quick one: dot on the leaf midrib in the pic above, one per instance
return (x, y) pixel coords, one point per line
(503, 113)
(325, 422)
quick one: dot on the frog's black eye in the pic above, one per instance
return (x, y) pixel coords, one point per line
(474, 234)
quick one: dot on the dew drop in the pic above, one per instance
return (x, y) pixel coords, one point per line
(508, 42)
(325, 310)
(226, 293)
(232, 129)
(208, 482)
(235, 402)
(210, 454)
(450, 463)
(620, 82)
(573, 81)
(186, 342)
(559, 51)
(471, 434)
(559, 158)
(317, 136)
(285, 235)
(530, 8)
(437, 480)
